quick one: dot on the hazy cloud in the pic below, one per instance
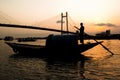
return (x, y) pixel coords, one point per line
(106, 24)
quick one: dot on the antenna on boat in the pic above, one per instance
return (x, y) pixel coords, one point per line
(62, 16)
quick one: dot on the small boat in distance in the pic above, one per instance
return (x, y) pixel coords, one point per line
(28, 39)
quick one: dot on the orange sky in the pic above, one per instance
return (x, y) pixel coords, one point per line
(97, 15)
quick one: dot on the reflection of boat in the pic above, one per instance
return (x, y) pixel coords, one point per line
(56, 45)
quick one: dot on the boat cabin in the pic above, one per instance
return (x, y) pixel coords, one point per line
(62, 41)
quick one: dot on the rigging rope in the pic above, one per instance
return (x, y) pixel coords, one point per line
(50, 22)
(7, 19)
(72, 23)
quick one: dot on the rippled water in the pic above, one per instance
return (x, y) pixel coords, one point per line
(99, 66)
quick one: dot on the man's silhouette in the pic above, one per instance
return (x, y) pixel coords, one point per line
(81, 34)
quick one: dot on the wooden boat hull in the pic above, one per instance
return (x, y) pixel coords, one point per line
(43, 51)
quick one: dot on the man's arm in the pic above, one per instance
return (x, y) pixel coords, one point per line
(76, 27)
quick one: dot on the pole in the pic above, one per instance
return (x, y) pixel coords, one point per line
(61, 23)
(67, 21)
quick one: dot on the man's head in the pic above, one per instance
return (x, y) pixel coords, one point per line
(81, 24)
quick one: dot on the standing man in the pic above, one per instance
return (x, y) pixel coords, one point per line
(81, 33)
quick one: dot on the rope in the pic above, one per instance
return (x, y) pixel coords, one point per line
(7, 19)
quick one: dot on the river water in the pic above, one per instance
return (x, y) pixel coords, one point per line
(100, 65)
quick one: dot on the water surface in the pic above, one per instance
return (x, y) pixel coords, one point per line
(99, 66)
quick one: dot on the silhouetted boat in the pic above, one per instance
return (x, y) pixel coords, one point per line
(62, 46)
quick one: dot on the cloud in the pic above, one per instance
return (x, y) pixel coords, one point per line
(106, 24)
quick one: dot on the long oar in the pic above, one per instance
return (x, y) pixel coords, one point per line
(104, 47)
(33, 27)
(99, 43)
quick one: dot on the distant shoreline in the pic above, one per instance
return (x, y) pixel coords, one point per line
(102, 37)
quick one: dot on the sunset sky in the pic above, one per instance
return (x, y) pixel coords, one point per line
(97, 15)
